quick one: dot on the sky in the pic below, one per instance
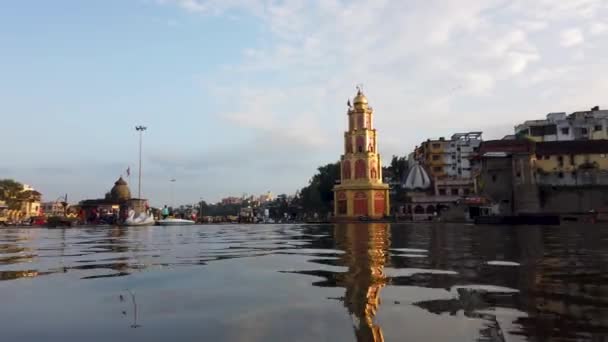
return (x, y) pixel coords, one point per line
(249, 96)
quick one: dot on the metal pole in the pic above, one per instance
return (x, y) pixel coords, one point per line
(173, 193)
(139, 178)
(141, 130)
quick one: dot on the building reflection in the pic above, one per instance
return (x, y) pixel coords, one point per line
(14, 249)
(366, 252)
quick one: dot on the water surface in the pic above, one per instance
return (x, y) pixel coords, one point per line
(351, 282)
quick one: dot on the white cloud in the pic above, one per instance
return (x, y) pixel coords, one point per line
(518, 61)
(571, 37)
(423, 63)
(598, 28)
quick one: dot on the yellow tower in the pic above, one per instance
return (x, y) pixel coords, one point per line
(361, 192)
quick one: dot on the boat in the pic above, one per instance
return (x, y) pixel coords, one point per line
(175, 222)
(143, 219)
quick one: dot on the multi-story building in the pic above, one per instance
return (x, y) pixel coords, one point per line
(55, 208)
(451, 164)
(30, 201)
(461, 149)
(450, 158)
(584, 125)
(558, 177)
(433, 155)
(572, 163)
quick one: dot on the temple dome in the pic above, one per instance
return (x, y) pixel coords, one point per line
(360, 98)
(120, 192)
(417, 178)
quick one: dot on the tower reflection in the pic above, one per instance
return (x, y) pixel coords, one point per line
(366, 251)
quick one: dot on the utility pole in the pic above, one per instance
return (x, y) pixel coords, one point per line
(141, 130)
(173, 192)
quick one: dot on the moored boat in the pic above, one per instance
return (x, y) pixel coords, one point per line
(174, 222)
(143, 219)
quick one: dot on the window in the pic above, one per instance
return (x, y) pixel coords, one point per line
(539, 131)
(494, 178)
(346, 169)
(435, 157)
(572, 159)
(584, 131)
(437, 169)
(441, 191)
(436, 145)
(342, 207)
(597, 128)
(360, 169)
(360, 143)
(454, 192)
(565, 130)
(560, 160)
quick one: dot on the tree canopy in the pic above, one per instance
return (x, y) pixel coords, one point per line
(317, 196)
(11, 192)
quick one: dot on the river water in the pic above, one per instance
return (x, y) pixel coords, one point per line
(350, 282)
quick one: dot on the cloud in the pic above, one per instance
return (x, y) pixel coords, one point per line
(598, 28)
(571, 37)
(429, 68)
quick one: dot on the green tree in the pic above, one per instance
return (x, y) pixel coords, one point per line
(318, 195)
(11, 192)
(399, 167)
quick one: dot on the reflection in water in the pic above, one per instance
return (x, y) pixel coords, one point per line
(134, 310)
(508, 283)
(365, 247)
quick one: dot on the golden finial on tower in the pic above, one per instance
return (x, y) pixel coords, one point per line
(360, 98)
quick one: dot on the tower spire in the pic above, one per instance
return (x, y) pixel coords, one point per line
(361, 191)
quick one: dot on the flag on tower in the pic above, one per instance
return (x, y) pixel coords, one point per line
(129, 171)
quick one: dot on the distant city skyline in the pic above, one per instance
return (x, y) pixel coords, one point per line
(250, 96)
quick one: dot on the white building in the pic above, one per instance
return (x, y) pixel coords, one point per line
(585, 125)
(459, 153)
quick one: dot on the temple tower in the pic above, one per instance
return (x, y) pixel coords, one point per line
(361, 191)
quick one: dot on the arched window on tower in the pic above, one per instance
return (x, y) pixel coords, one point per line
(360, 169)
(342, 204)
(349, 145)
(360, 144)
(346, 169)
(361, 122)
(373, 173)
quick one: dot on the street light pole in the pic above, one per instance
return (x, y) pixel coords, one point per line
(141, 130)
(173, 192)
